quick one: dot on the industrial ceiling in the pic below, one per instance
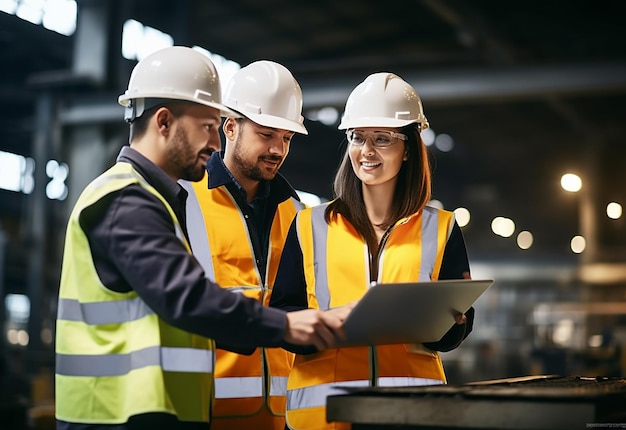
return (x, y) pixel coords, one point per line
(526, 89)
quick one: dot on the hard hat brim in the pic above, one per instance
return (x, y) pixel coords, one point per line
(225, 111)
(374, 122)
(277, 122)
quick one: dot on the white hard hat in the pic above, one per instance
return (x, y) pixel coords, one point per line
(267, 93)
(383, 100)
(177, 73)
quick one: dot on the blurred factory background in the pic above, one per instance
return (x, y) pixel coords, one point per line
(527, 106)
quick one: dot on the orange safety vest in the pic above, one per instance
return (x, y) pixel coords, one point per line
(337, 271)
(246, 386)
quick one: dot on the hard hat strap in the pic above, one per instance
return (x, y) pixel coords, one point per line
(138, 106)
(134, 109)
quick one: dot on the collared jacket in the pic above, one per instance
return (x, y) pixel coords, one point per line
(115, 357)
(332, 268)
(242, 254)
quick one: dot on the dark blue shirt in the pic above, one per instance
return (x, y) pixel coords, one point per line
(258, 213)
(134, 246)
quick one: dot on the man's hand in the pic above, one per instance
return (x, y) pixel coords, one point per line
(314, 327)
(342, 312)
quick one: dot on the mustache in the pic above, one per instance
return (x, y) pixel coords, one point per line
(276, 158)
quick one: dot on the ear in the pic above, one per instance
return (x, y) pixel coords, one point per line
(163, 118)
(406, 156)
(230, 128)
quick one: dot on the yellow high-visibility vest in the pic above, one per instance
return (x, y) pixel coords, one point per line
(115, 357)
(337, 271)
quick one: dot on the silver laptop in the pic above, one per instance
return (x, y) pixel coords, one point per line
(413, 312)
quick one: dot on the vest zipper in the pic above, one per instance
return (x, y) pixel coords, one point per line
(374, 269)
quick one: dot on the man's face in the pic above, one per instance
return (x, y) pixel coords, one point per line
(194, 139)
(255, 152)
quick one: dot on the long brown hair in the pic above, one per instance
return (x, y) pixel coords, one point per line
(411, 194)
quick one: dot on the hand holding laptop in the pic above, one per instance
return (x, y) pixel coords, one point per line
(411, 312)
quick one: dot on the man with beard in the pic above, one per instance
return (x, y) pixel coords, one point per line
(137, 317)
(238, 218)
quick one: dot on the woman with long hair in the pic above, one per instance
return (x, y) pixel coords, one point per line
(378, 229)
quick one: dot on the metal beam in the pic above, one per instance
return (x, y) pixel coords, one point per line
(487, 84)
(451, 87)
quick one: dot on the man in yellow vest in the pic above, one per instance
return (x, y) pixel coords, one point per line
(135, 310)
(238, 217)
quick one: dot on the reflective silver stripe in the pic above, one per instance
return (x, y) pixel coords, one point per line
(430, 230)
(244, 387)
(198, 239)
(244, 288)
(320, 238)
(104, 179)
(401, 381)
(237, 388)
(315, 396)
(170, 359)
(278, 385)
(111, 312)
(298, 204)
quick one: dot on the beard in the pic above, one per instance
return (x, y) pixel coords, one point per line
(251, 170)
(183, 160)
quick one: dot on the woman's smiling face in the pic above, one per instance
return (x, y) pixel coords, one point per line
(374, 164)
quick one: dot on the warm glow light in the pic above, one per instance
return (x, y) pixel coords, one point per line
(595, 341)
(571, 182)
(504, 227)
(462, 216)
(525, 239)
(12, 336)
(614, 210)
(578, 244)
(563, 332)
(22, 337)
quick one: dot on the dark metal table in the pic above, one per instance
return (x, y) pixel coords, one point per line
(528, 403)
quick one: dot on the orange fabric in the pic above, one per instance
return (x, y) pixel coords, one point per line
(347, 265)
(262, 420)
(235, 265)
(313, 418)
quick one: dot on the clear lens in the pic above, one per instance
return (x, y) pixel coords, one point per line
(379, 139)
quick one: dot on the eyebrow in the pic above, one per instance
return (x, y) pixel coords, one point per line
(293, 133)
(373, 131)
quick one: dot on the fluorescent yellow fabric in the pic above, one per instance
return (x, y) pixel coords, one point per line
(115, 357)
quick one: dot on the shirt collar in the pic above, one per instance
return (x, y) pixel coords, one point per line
(154, 175)
(278, 188)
